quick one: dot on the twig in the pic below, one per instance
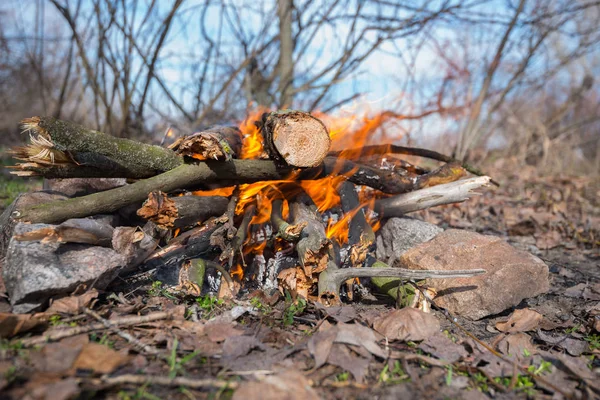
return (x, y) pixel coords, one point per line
(110, 325)
(240, 236)
(78, 330)
(164, 381)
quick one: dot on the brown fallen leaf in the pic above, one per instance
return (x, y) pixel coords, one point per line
(291, 385)
(58, 358)
(517, 345)
(321, 343)
(237, 346)
(14, 324)
(573, 346)
(520, 321)
(440, 346)
(53, 389)
(72, 304)
(341, 356)
(99, 359)
(340, 314)
(407, 324)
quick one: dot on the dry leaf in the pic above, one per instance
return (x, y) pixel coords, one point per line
(321, 343)
(72, 304)
(99, 359)
(516, 345)
(290, 385)
(520, 321)
(440, 346)
(14, 324)
(407, 324)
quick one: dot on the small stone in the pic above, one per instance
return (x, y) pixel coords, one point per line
(400, 234)
(35, 271)
(512, 275)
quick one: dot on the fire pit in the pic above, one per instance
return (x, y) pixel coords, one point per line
(279, 202)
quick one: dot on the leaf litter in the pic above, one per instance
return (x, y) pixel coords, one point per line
(246, 348)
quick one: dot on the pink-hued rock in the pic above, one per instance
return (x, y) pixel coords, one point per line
(512, 275)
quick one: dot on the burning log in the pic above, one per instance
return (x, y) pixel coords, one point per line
(448, 193)
(282, 228)
(332, 278)
(181, 211)
(411, 151)
(190, 175)
(295, 138)
(359, 229)
(360, 234)
(61, 142)
(313, 246)
(240, 236)
(219, 142)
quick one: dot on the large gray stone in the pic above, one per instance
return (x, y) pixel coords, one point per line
(35, 271)
(512, 275)
(400, 234)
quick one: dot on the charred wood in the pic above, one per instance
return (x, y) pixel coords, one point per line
(314, 246)
(194, 243)
(218, 143)
(412, 151)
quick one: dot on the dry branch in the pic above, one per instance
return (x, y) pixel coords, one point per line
(140, 380)
(281, 227)
(190, 175)
(181, 177)
(331, 279)
(295, 138)
(192, 244)
(454, 192)
(313, 246)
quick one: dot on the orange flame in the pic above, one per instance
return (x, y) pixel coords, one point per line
(252, 145)
(349, 132)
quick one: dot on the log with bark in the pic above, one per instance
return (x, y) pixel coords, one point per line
(62, 142)
(181, 211)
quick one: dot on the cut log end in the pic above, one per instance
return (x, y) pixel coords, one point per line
(297, 138)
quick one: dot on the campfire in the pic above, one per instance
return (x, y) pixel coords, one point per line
(286, 200)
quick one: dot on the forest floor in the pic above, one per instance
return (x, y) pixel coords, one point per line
(150, 343)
